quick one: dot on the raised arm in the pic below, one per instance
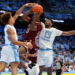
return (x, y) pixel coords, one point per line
(68, 33)
(25, 16)
(21, 9)
(36, 18)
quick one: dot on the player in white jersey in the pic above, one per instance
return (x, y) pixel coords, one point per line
(9, 54)
(45, 40)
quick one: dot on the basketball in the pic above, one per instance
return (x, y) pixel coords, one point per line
(37, 9)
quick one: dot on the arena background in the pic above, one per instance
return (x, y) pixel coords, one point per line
(62, 12)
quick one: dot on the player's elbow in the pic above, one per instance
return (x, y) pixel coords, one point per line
(65, 33)
(14, 42)
(17, 13)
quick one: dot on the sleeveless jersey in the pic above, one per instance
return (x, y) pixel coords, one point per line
(7, 40)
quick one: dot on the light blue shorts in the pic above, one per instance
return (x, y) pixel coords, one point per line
(9, 54)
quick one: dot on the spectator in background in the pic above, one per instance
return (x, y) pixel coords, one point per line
(63, 68)
(59, 65)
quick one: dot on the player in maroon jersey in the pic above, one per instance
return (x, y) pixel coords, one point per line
(32, 30)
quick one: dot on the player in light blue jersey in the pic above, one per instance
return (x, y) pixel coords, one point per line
(10, 53)
(45, 41)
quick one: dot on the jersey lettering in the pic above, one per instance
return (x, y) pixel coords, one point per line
(47, 36)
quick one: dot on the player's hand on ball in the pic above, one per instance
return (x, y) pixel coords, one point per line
(37, 9)
(30, 4)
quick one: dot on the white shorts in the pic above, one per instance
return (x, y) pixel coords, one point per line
(9, 54)
(45, 58)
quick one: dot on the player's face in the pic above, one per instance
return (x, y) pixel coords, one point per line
(48, 22)
(37, 17)
(58, 58)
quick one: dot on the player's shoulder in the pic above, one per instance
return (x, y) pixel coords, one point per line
(43, 24)
(7, 26)
(52, 28)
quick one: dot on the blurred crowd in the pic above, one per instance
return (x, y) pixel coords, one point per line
(63, 47)
(55, 9)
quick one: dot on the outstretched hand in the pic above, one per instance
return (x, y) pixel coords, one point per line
(30, 4)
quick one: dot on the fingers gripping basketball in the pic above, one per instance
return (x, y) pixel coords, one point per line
(37, 9)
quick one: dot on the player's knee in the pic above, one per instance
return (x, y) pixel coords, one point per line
(2, 66)
(14, 66)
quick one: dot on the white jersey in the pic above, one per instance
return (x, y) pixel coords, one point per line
(7, 40)
(47, 36)
(10, 52)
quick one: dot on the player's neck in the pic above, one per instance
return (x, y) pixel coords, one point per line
(10, 24)
(48, 27)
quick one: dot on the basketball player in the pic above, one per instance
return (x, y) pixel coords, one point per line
(45, 41)
(33, 28)
(9, 54)
(28, 67)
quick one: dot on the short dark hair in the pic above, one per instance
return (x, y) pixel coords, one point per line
(5, 17)
(50, 20)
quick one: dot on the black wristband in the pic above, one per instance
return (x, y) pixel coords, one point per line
(25, 48)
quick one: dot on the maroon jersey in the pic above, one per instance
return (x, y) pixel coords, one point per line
(30, 35)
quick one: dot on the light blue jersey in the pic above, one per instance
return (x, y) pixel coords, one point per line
(7, 40)
(45, 41)
(46, 37)
(10, 52)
